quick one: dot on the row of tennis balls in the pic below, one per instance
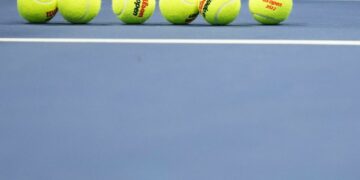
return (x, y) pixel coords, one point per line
(216, 12)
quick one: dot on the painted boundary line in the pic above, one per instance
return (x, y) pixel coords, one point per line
(185, 41)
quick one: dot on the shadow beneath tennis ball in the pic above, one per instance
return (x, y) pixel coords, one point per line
(60, 23)
(162, 24)
(195, 25)
(285, 24)
(75, 24)
(19, 23)
(240, 25)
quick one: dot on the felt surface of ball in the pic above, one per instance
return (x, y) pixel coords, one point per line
(79, 11)
(270, 12)
(219, 12)
(37, 11)
(133, 11)
(179, 11)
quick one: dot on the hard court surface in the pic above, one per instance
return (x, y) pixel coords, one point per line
(182, 111)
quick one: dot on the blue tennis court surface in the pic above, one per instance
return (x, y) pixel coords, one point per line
(132, 111)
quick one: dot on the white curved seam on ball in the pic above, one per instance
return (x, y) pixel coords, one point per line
(42, 2)
(118, 2)
(188, 2)
(267, 17)
(126, 2)
(87, 10)
(221, 8)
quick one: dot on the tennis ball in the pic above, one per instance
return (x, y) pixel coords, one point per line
(134, 11)
(179, 11)
(37, 11)
(219, 12)
(79, 11)
(270, 12)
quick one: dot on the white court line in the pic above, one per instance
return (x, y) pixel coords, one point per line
(186, 41)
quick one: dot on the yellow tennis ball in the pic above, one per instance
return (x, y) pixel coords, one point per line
(79, 11)
(37, 11)
(134, 11)
(179, 11)
(219, 12)
(270, 12)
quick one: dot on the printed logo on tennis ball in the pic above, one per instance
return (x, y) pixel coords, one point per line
(37, 11)
(140, 7)
(51, 14)
(270, 12)
(191, 18)
(133, 11)
(219, 12)
(203, 6)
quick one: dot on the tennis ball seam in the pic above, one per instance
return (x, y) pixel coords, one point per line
(37, 11)
(220, 10)
(179, 11)
(188, 2)
(87, 10)
(125, 2)
(115, 10)
(134, 11)
(269, 18)
(49, 14)
(81, 12)
(270, 12)
(43, 2)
